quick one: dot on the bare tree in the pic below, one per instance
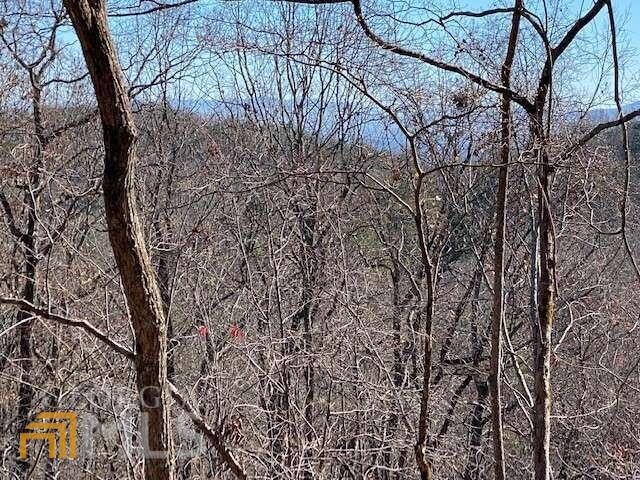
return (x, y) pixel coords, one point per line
(125, 233)
(349, 239)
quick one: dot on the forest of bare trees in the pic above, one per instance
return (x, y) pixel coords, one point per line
(320, 239)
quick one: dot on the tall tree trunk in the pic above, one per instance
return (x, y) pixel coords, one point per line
(29, 242)
(545, 298)
(25, 319)
(542, 338)
(498, 279)
(423, 446)
(547, 255)
(89, 20)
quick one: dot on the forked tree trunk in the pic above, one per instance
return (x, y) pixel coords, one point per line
(89, 20)
(543, 326)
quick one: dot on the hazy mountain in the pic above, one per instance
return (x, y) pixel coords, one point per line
(608, 114)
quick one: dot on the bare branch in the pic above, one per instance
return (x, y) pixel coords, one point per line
(83, 324)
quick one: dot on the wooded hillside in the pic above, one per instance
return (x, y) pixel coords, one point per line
(320, 239)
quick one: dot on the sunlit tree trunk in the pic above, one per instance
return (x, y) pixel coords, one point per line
(500, 240)
(89, 19)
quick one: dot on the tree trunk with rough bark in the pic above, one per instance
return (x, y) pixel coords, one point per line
(498, 281)
(89, 20)
(29, 241)
(545, 299)
(423, 448)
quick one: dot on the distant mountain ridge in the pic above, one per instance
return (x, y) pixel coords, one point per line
(608, 114)
(375, 131)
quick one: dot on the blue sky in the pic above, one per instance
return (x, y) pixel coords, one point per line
(627, 24)
(630, 12)
(628, 18)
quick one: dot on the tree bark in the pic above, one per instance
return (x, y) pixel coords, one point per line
(545, 293)
(89, 20)
(423, 447)
(25, 319)
(547, 255)
(542, 339)
(498, 279)
(29, 241)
